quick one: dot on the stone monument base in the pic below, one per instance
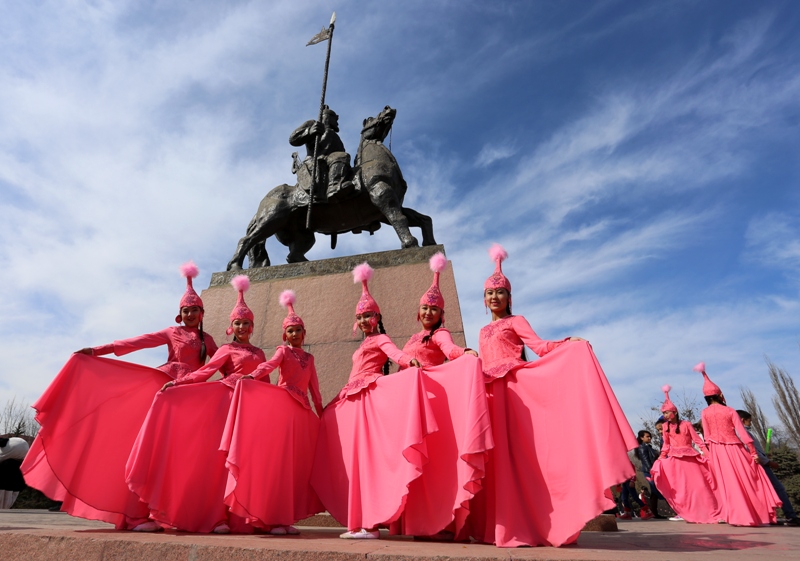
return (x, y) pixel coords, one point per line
(326, 300)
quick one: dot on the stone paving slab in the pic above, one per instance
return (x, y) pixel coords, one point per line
(34, 535)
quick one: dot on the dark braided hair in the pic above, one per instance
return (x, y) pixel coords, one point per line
(203, 350)
(714, 399)
(433, 329)
(382, 331)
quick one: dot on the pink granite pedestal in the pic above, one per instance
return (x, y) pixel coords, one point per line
(326, 300)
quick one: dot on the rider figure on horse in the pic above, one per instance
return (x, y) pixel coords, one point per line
(333, 162)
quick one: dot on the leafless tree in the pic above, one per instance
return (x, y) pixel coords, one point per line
(16, 419)
(760, 424)
(786, 401)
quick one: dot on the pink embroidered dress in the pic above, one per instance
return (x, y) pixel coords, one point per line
(560, 439)
(684, 477)
(745, 495)
(176, 466)
(457, 452)
(270, 438)
(371, 442)
(90, 416)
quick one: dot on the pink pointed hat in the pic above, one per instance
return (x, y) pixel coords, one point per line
(709, 387)
(498, 279)
(287, 300)
(433, 297)
(363, 273)
(667, 405)
(240, 310)
(190, 298)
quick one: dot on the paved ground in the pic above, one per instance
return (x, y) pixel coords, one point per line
(33, 535)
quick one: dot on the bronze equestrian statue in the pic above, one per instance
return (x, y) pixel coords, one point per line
(376, 197)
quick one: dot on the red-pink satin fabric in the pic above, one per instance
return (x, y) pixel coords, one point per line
(685, 478)
(457, 452)
(270, 439)
(175, 465)
(90, 416)
(561, 440)
(371, 446)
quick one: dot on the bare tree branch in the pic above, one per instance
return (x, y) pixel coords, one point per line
(16, 419)
(786, 401)
(760, 424)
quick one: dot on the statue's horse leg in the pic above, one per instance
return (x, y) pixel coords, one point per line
(421, 221)
(385, 199)
(249, 245)
(298, 240)
(269, 219)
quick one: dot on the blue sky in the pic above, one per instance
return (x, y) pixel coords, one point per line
(639, 161)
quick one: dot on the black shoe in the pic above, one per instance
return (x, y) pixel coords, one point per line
(793, 522)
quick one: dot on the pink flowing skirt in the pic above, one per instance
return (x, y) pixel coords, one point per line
(744, 492)
(270, 439)
(371, 447)
(457, 452)
(90, 416)
(561, 441)
(175, 465)
(688, 485)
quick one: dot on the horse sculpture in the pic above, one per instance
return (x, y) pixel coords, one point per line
(380, 189)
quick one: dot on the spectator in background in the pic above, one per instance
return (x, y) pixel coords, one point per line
(767, 464)
(12, 452)
(648, 456)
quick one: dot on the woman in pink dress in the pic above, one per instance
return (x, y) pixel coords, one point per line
(744, 493)
(371, 442)
(269, 484)
(438, 501)
(547, 475)
(93, 410)
(681, 474)
(175, 465)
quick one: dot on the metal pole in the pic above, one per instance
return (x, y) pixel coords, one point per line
(321, 110)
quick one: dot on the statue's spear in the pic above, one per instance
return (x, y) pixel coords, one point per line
(323, 35)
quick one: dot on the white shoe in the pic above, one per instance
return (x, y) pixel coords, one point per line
(278, 531)
(361, 534)
(148, 526)
(291, 530)
(677, 519)
(222, 529)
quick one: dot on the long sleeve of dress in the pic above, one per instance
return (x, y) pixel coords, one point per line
(531, 339)
(265, 368)
(696, 438)
(444, 340)
(125, 346)
(742, 433)
(217, 362)
(665, 446)
(393, 352)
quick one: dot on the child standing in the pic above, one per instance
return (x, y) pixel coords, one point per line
(682, 474)
(371, 443)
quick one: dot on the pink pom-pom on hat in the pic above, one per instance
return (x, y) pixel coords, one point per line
(709, 387)
(287, 300)
(240, 311)
(433, 297)
(497, 280)
(667, 405)
(363, 273)
(190, 298)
